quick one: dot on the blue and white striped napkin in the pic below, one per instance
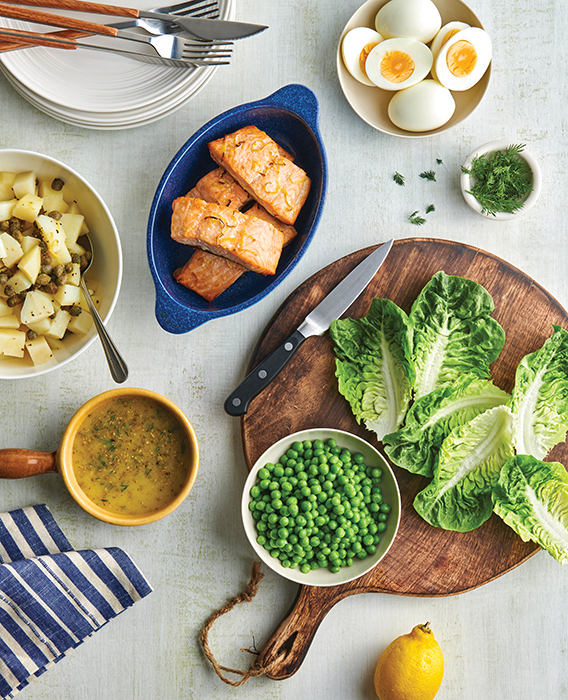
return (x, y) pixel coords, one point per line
(52, 598)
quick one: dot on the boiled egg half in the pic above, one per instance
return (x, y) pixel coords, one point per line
(355, 47)
(463, 59)
(395, 64)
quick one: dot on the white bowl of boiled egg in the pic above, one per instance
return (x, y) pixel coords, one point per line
(414, 68)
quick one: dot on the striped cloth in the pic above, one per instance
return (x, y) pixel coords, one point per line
(52, 597)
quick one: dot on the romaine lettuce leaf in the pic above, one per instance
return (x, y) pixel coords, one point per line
(432, 417)
(532, 497)
(539, 400)
(374, 365)
(471, 457)
(453, 332)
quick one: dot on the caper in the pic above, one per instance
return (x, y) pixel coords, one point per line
(3, 278)
(42, 279)
(69, 267)
(61, 280)
(9, 291)
(58, 270)
(31, 335)
(4, 225)
(76, 258)
(57, 184)
(51, 288)
(55, 215)
(75, 310)
(46, 269)
(13, 301)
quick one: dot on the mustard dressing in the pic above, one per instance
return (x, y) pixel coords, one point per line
(130, 456)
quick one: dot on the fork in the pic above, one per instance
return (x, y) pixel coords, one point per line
(194, 54)
(195, 8)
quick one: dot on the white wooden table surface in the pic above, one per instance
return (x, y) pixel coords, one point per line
(507, 639)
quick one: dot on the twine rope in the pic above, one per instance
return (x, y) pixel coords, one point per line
(245, 596)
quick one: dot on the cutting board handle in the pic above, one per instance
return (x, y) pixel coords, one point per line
(19, 463)
(284, 652)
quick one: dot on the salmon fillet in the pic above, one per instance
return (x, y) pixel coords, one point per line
(208, 275)
(219, 187)
(257, 163)
(248, 240)
(289, 232)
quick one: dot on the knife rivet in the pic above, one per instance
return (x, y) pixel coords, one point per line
(262, 374)
(236, 401)
(288, 346)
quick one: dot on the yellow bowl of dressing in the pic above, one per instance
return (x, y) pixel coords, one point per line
(128, 457)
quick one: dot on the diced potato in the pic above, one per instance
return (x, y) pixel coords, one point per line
(74, 277)
(14, 250)
(45, 188)
(5, 310)
(24, 183)
(59, 324)
(55, 202)
(29, 242)
(28, 207)
(6, 208)
(7, 178)
(68, 294)
(50, 297)
(9, 322)
(40, 327)
(36, 307)
(31, 263)
(19, 281)
(62, 254)
(74, 208)
(12, 342)
(39, 350)
(52, 232)
(80, 324)
(72, 224)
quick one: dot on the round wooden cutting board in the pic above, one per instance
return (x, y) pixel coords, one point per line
(423, 561)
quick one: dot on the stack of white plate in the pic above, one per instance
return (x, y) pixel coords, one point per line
(97, 90)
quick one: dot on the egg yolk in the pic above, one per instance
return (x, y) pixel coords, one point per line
(396, 66)
(461, 58)
(365, 51)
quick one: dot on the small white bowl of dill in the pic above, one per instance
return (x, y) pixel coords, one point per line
(501, 180)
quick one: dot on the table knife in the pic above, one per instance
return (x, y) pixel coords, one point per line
(200, 28)
(316, 323)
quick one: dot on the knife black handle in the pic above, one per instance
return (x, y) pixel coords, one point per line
(238, 402)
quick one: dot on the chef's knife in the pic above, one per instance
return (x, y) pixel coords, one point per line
(316, 323)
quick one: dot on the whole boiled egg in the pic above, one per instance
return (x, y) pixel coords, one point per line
(462, 60)
(395, 64)
(412, 19)
(355, 47)
(422, 107)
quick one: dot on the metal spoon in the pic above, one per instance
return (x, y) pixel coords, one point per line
(116, 364)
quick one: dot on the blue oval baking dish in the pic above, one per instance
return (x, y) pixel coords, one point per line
(290, 117)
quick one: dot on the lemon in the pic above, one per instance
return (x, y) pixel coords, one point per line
(411, 667)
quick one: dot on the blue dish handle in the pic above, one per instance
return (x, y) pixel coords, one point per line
(178, 320)
(305, 102)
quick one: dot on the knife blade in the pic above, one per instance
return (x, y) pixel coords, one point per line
(208, 29)
(316, 322)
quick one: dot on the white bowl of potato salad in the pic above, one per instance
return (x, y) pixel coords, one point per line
(45, 210)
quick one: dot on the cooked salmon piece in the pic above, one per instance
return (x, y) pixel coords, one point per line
(257, 163)
(208, 275)
(221, 188)
(248, 240)
(289, 232)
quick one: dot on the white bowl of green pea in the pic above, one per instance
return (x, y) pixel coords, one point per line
(321, 507)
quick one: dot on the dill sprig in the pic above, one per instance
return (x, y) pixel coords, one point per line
(430, 208)
(428, 175)
(502, 180)
(398, 178)
(416, 220)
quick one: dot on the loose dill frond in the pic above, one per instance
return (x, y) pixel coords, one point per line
(439, 161)
(430, 208)
(398, 178)
(428, 175)
(502, 180)
(415, 219)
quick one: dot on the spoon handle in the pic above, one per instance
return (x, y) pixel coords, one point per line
(116, 364)
(19, 463)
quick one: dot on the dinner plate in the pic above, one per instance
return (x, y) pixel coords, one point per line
(97, 90)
